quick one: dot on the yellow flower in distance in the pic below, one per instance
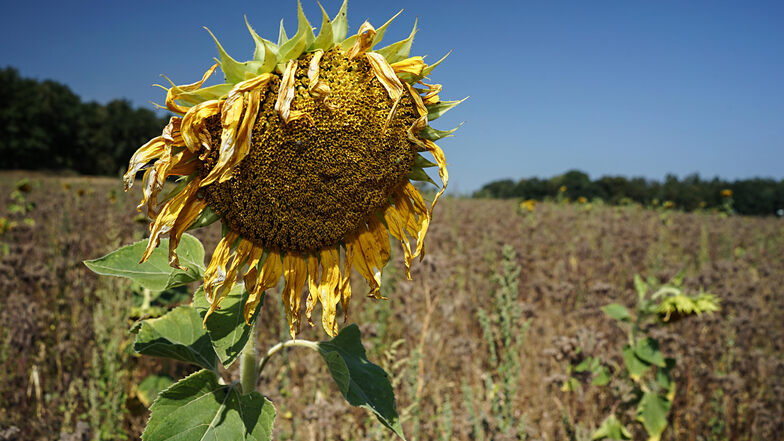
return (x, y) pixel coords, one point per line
(306, 154)
(726, 193)
(528, 205)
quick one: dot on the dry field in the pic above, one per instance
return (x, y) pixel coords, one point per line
(67, 370)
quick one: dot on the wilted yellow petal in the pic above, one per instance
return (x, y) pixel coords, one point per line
(175, 91)
(431, 97)
(221, 288)
(252, 274)
(345, 283)
(413, 66)
(329, 289)
(370, 254)
(193, 127)
(167, 217)
(421, 109)
(313, 285)
(231, 112)
(146, 153)
(421, 210)
(184, 220)
(286, 96)
(216, 270)
(363, 42)
(270, 273)
(295, 271)
(318, 89)
(397, 227)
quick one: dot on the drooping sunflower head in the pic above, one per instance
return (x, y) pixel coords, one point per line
(307, 154)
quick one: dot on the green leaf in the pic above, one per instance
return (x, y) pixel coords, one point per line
(436, 110)
(226, 326)
(571, 385)
(584, 365)
(652, 413)
(155, 274)
(361, 382)
(647, 349)
(147, 391)
(617, 312)
(634, 365)
(602, 377)
(664, 379)
(198, 408)
(611, 428)
(178, 335)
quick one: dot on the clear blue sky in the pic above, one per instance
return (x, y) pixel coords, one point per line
(609, 87)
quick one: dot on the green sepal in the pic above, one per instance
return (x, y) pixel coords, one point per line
(178, 335)
(205, 94)
(435, 111)
(340, 23)
(266, 52)
(282, 38)
(382, 30)
(292, 49)
(422, 162)
(417, 174)
(325, 40)
(207, 217)
(198, 407)
(432, 134)
(348, 42)
(304, 27)
(233, 70)
(400, 50)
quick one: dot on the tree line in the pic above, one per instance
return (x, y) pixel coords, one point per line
(45, 126)
(755, 196)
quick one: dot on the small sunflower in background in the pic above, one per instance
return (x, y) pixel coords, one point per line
(306, 154)
(726, 193)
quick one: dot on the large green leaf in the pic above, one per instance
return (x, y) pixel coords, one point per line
(611, 428)
(155, 274)
(647, 349)
(634, 365)
(178, 335)
(152, 385)
(652, 413)
(199, 408)
(226, 326)
(361, 382)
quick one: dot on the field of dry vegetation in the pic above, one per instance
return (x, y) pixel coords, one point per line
(67, 370)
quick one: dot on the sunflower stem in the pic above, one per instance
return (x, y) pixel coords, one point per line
(248, 362)
(286, 344)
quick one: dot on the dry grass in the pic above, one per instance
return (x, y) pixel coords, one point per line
(66, 368)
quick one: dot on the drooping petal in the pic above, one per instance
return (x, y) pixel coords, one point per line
(252, 274)
(146, 153)
(270, 273)
(412, 65)
(221, 288)
(329, 289)
(318, 89)
(216, 269)
(313, 288)
(175, 91)
(363, 41)
(387, 77)
(193, 127)
(370, 253)
(286, 96)
(184, 220)
(166, 219)
(397, 227)
(418, 204)
(345, 283)
(295, 271)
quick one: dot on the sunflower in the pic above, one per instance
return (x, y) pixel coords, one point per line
(306, 154)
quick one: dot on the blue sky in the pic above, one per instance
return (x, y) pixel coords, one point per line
(609, 87)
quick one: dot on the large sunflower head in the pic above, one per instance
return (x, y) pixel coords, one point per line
(306, 154)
